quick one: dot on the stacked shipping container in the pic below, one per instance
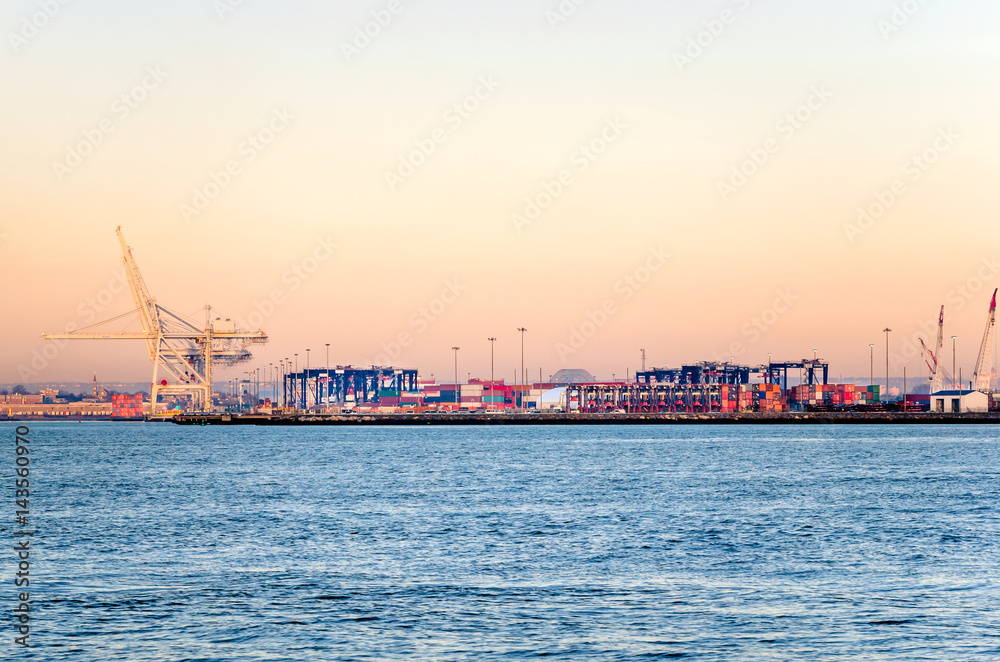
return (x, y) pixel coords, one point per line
(769, 398)
(734, 399)
(920, 402)
(126, 406)
(833, 395)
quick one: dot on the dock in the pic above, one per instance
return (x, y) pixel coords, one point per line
(440, 418)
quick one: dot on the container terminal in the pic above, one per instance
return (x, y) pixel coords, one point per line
(185, 358)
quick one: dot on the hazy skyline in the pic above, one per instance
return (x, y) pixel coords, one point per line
(471, 169)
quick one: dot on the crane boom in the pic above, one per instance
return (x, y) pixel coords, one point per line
(930, 366)
(144, 303)
(983, 374)
(183, 351)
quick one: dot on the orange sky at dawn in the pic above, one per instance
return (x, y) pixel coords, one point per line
(700, 180)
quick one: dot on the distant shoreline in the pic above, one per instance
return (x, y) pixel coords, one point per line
(802, 418)
(444, 419)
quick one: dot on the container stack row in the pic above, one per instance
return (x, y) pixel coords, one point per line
(126, 406)
(834, 395)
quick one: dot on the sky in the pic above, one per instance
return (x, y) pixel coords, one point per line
(702, 180)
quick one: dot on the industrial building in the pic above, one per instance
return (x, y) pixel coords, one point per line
(958, 402)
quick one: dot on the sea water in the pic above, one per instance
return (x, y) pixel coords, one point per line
(163, 542)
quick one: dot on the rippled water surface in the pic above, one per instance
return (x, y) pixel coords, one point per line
(158, 542)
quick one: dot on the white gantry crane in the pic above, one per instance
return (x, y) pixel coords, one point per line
(937, 370)
(982, 376)
(185, 354)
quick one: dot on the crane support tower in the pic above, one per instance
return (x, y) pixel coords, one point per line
(934, 365)
(185, 354)
(983, 374)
